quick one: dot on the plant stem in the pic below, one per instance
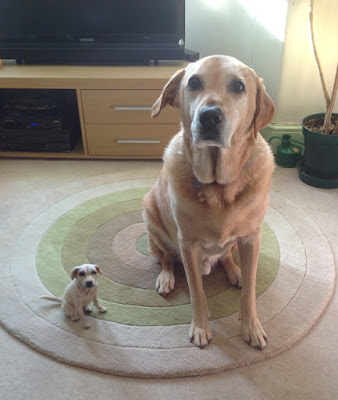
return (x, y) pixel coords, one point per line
(328, 114)
(326, 93)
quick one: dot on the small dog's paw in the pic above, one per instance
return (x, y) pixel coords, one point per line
(102, 309)
(88, 309)
(253, 334)
(165, 283)
(200, 337)
(74, 317)
(86, 324)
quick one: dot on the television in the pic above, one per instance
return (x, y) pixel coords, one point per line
(101, 32)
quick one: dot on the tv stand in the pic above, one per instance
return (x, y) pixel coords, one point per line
(114, 105)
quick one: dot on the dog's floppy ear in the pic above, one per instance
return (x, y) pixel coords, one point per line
(265, 108)
(98, 269)
(169, 94)
(74, 272)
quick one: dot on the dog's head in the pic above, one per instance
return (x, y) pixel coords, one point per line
(86, 275)
(219, 97)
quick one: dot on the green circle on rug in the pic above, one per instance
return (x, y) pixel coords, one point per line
(142, 245)
(64, 245)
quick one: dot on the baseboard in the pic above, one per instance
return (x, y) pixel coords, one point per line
(279, 130)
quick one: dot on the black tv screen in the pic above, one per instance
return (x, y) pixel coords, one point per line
(151, 26)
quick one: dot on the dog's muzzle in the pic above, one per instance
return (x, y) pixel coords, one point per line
(89, 284)
(210, 118)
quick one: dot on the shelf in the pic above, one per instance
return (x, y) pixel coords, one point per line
(87, 77)
(77, 152)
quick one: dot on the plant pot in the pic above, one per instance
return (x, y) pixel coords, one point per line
(319, 167)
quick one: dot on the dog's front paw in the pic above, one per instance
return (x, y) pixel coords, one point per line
(102, 309)
(200, 337)
(165, 282)
(253, 334)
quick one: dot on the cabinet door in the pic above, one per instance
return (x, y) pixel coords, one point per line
(124, 106)
(129, 139)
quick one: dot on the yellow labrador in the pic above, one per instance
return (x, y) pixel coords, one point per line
(213, 190)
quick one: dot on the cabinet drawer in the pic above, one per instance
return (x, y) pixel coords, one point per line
(128, 139)
(124, 106)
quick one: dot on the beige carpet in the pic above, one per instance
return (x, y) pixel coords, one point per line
(306, 371)
(144, 335)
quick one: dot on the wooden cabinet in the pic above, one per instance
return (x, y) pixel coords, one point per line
(119, 123)
(129, 140)
(114, 105)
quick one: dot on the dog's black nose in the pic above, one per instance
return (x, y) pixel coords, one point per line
(210, 117)
(89, 284)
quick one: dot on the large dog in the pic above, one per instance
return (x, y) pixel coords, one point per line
(213, 190)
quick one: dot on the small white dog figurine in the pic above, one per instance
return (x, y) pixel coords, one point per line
(81, 291)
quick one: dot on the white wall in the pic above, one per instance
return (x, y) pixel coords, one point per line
(250, 30)
(253, 31)
(300, 91)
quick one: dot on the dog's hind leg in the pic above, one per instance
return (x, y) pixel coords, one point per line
(233, 271)
(81, 315)
(70, 312)
(165, 282)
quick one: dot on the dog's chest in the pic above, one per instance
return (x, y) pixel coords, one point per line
(75, 295)
(220, 233)
(217, 247)
(221, 225)
(87, 297)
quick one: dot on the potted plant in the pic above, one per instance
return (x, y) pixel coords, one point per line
(319, 166)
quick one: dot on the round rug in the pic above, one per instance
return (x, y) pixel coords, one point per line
(144, 334)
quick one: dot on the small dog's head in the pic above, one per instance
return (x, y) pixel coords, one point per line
(86, 275)
(219, 98)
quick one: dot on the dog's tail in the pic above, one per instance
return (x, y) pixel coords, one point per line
(56, 299)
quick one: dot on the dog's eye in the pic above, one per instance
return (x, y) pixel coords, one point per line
(93, 272)
(195, 83)
(82, 273)
(238, 87)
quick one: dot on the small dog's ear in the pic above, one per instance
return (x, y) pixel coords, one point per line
(98, 269)
(74, 272)
(169, 93)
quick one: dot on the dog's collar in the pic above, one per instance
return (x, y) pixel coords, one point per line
(198, 185)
